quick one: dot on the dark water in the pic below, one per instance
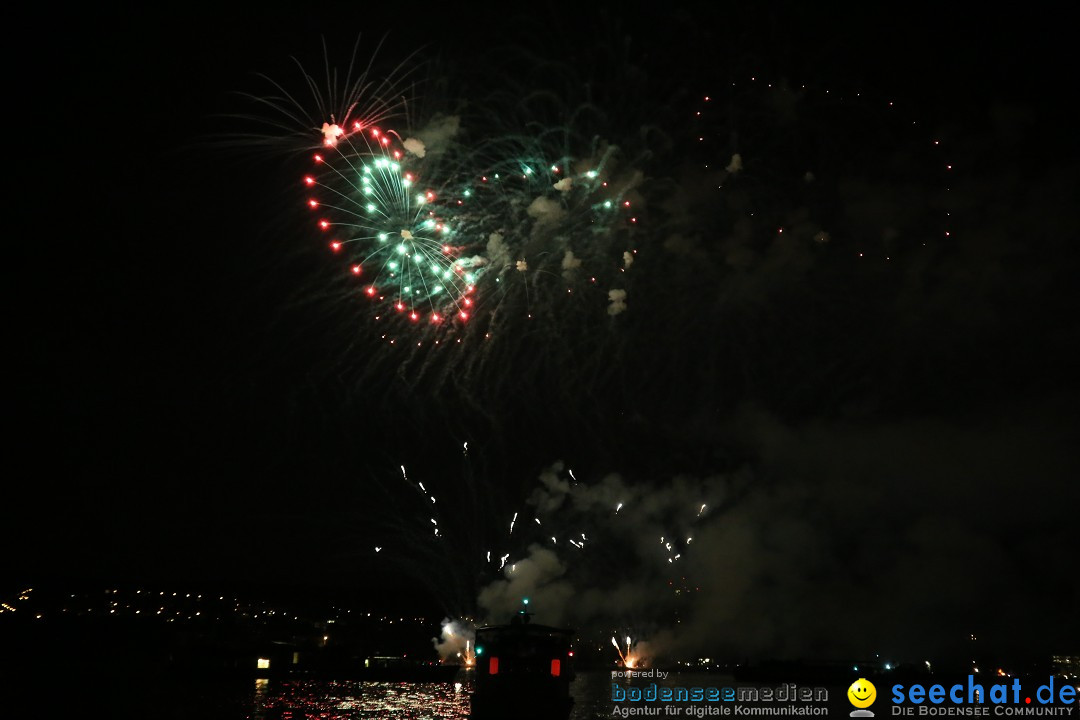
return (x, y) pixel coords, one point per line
(356, 700)
(303, 700)
(194, 698)
(64, 695)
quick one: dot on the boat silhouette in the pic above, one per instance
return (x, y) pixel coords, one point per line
(523, 671)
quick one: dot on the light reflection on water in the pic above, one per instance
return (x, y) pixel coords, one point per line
(359, 700)
(356, 700)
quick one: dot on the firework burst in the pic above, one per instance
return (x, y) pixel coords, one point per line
(400, 239)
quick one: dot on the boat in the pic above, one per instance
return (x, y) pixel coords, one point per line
(523, 670)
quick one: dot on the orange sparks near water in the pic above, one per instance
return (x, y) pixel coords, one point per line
(628, 659)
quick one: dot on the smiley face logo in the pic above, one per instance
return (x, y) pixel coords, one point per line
(862, 693)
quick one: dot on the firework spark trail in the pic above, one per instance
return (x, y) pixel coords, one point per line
(465, 546)
(584, 508)
(575, 514)
(628, 659)
(423, 491)
(555, 497)
(294, 120)
(450, 559)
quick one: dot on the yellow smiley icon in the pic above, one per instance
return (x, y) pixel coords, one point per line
(862, 693)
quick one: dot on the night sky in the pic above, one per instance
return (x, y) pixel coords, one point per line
(883, 419)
